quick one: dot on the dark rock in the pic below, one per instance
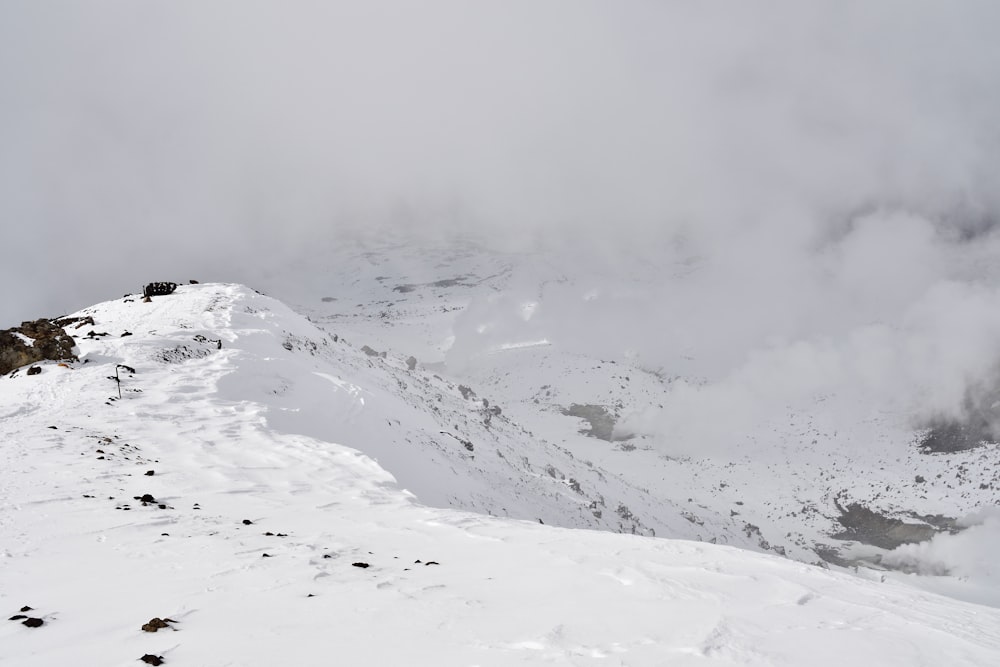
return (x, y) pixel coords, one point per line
(369, 351)
(361, 565)
(158, 289)
(17, 617)
(247, 522)
(150, 473)
(154, 625)
(127, 333)
(26, 608)
(151, 659)
(868, 527)
(602, 421)
(80, 322)
(34, 370)
(978, 425)
(33, 622)
(147, 498)
(49, 341)
(431, 562)
(193, 282)
(411, 363)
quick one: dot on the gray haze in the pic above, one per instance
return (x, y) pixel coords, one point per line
(159, 139)
(832, 167)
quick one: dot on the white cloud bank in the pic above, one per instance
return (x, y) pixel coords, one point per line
(832, 168)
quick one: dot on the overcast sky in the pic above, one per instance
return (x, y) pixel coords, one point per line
(171, 139)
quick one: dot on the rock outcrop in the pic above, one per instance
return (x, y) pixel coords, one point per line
(32, 342)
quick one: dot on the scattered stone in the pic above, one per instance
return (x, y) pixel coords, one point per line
(361, 565)
(80, 322)
(150, 473)
(466, 392)
(411, 363)
(17, 617)
(26, 608)
(33, 622)
(431, 562)
(155, 624)
(151, 659)
(146, 498)
(369, 351)
(54, 428)
(265, 555)
(34, 370)
(193, 282)
(247, 522)
(127, 333)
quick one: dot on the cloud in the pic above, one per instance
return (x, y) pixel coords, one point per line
(969, 556)
(812, 185)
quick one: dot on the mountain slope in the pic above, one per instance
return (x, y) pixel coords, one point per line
(255, 526)
(828, 476)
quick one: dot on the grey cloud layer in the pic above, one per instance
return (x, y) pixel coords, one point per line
(249, 129)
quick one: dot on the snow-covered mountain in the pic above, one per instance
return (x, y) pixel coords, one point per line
(288, 491)
(546, 339)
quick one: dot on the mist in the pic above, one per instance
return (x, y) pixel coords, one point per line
(816, 186)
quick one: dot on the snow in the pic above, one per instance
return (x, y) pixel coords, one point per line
(736, 467)
(270, 429)
(24, 339)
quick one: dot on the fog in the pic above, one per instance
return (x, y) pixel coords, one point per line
(969, 555)
(825, 176)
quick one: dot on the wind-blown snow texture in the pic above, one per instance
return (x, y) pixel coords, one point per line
(263, 508)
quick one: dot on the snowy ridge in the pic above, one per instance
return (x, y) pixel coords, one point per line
(260, 518)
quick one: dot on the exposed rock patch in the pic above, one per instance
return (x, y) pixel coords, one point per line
(602, 421)
(32, 342)
(979, 426)
(868, 527)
